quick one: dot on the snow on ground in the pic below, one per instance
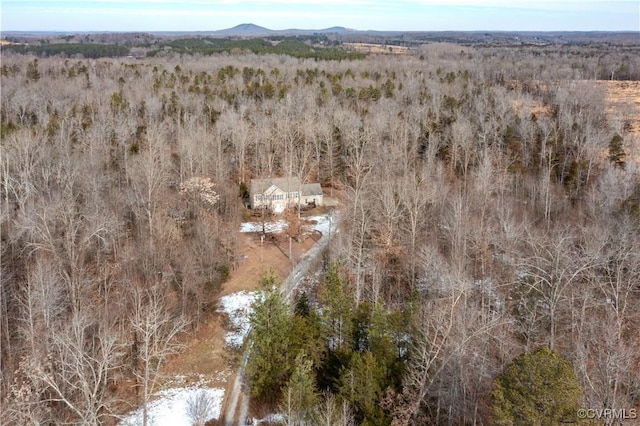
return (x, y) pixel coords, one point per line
(270, 419)
(195, 380)
(269, 227)
(321, 223)
(172, 407)
(238, 307)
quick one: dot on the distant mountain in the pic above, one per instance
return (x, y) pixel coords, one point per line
(244, 30)
(332, 30)
(252, 30)
(338, 30)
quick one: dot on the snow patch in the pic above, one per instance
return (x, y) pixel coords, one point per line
(322, 223)
(172, 407)
(190, 381)
(269, 227)
(488, 288)
(270, 419)
(314, 223)
(238, 307)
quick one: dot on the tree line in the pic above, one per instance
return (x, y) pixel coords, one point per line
(290, 46)
(84, 50)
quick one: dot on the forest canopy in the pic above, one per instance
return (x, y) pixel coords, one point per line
(289, 46)
(85, 50)
(489, 205)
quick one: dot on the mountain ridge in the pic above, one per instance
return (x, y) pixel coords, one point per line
(253, 30)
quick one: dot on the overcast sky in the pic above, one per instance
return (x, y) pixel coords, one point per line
(405, 15)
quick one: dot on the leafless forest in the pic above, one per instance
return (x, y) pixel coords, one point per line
(488, 193)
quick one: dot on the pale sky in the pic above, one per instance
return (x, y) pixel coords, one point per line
(401, 15)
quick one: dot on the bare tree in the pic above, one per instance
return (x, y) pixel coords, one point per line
(550, 270)
(436, 323)
(416, 194)
(200, 406)
(330, 413)
(150, 177)
(83, 355)
(611, 298)
(155, 330)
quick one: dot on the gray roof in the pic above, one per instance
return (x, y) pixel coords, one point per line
(311, 189)
(258, 186)
(287, 184)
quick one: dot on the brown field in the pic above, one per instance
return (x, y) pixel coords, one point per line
(378, 48)
(4, 42)
(623, 98)
(623, 103)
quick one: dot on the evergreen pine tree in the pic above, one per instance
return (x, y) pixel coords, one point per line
(537, 388)
(616, 152)
(336, 309)
(271, 359)
(300, 395)
(362, 384)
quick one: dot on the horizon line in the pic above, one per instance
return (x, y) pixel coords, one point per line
(348, 29)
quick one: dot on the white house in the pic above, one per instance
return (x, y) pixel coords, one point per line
(279, 193)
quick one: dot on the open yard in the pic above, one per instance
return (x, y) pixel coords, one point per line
(207, 357)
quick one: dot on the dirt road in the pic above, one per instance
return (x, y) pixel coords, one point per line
(238, 405)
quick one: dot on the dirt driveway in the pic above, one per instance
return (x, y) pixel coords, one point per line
(206, 356)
